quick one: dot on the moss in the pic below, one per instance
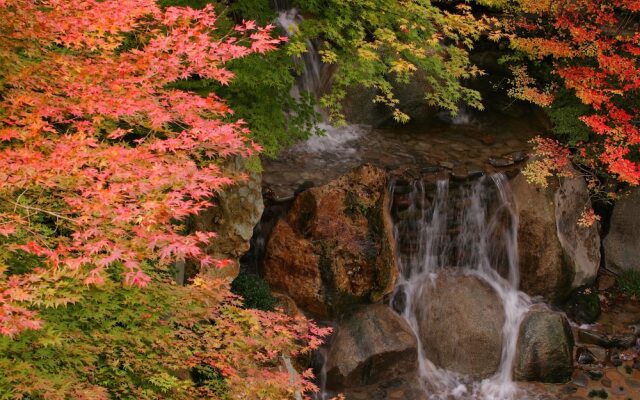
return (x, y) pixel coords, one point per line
(629, 282)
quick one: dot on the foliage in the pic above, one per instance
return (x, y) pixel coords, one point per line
(255, 291)
(594, 53)
(95, 141)
(629, 282)
(376, 44)
(132, 343)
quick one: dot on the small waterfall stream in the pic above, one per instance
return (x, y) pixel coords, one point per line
(471, 227)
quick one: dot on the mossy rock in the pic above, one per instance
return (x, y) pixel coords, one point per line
(583, 305)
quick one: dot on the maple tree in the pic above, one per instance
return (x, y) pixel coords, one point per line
(93, 137)
(101, 161)
(594, 51)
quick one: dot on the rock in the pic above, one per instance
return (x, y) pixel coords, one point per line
(556, 254)
(544, 348)
(583, 305)
(487, 140)
(581, 245)
(622, 243)
(371, 345)
(585, 356)
(447, 164)
(595, 374)
(335, 248)
(287, 305)
(237, 211)
(615, 358)
(500, 162)
(623, 341)
(579, 378)
(600, 339)
(592, 337)
(460, 319)
(598, 352)
(606, 282)
(518, 156)
(542, 270)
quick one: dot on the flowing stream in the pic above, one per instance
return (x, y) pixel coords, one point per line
(473, 227)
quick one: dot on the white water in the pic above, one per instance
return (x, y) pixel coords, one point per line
(334, 139)
(483, 217)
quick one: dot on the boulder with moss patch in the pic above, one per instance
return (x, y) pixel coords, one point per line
(335, 248)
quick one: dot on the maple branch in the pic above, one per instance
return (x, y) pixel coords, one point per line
(37, 209)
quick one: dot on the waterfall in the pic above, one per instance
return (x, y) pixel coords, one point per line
(315, 79)
(471, 227)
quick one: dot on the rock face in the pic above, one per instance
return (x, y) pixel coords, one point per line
(544, 348)
(236, 212)
(335, 248)
(555, 253)
(460, 320)
(371, 345)
(622, 243)
(581, 245)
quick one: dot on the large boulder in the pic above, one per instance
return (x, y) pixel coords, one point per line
(580, 245)
(335, 248)
(544, 348)
(556, 254)
(371, 345)
(622, 243)
(236, 211)
(460, 321)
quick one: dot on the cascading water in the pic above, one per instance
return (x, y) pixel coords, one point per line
(471, 228)
(315, 79)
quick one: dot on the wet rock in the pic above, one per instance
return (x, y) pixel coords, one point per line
(595, 374)
(580, 378)
(518, 156)
(335, 247)
(600, 353)
(447, 164)
(585, 356)
(459, 174)
(542, 270)
(623, 341)
(487, 140)
(556, 254)
(457, 317)
(622, 243)
(592, 337)
(580, 245)
(371, 345)
(237, 211)
(600, 339)
(615, 358)
(606, 282)
(475, 172)
(500, 162)
(544, 348)
(583, 305)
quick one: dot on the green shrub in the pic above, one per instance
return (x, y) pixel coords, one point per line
(255, 291)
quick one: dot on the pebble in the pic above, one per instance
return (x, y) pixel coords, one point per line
(595, 374)
(447, 164)
(579, 378)
(584, 356)
(623, 341)
(606, 282)
(500, 162)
